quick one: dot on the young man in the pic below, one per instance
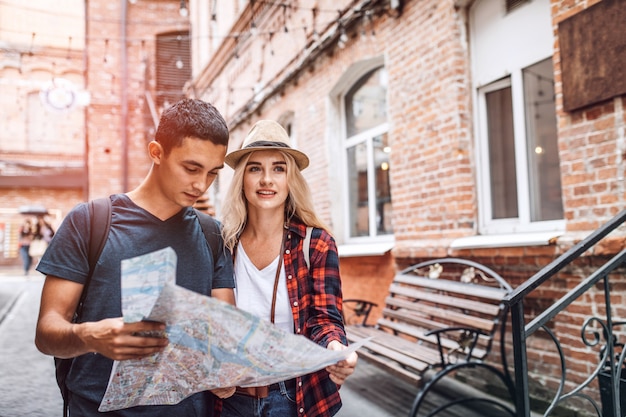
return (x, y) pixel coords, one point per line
(187, 154)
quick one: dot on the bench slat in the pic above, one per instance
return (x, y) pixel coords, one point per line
(452, 286)
(385, 353)
(449, 344)
(416, 325)
(420, 352)
(393, 368)
(445, 314)
(416, 320)
(462, 303)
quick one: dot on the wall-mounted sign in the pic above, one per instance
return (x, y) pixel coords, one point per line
(593, 52)
(62, 95)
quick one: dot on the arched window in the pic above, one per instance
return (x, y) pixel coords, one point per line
(367, 152)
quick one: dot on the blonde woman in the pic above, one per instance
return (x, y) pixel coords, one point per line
(265, 220)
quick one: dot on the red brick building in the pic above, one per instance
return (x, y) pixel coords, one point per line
(42, 108)
(126, 60)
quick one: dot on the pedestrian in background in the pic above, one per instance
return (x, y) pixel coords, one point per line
(26, 236)
(187, 154)
(44, 230)
(266, 213)
(42, 236)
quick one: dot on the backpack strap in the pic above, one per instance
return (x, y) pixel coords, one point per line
(100, 223)
(212, 233)
(306, 246)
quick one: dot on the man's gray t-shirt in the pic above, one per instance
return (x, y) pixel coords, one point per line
(133, 232)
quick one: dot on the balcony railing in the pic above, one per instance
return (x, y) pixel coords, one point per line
(601, 331)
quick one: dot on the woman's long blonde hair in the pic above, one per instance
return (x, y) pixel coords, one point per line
(299, 201)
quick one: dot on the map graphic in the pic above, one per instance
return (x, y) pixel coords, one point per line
(212, 344)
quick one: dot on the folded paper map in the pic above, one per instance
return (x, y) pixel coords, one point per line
(211, 343)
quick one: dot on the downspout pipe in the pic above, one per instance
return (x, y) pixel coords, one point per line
(124, 93)
(86, 108)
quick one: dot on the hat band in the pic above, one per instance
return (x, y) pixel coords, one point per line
(267, 143)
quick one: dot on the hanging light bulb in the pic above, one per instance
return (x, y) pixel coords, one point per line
(179, 63)
(343, 38)
(184, 12)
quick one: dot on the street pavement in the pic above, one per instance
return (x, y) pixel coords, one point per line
(27, 382)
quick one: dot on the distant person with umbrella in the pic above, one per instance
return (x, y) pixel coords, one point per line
(44, 230)
(27, 234)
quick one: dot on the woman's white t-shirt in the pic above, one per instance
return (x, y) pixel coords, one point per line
(254, 289)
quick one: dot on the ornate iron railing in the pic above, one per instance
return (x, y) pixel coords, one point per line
(602, 332)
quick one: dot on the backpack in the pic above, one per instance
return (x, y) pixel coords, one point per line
(100, 221)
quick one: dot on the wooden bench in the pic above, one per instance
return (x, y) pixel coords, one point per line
(440, 315)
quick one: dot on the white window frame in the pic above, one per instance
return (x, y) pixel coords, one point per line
(503, 45)
(366, 137)
(338, 143)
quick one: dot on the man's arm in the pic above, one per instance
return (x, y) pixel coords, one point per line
(56, 334)
(224, 294)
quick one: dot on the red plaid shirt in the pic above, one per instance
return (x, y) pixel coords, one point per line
(316, 304)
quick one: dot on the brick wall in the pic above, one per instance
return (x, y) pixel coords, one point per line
(116, 167)
(592, 148)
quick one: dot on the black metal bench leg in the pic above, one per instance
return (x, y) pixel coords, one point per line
(417, 403)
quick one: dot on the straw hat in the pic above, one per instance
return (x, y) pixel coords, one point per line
(267, 135)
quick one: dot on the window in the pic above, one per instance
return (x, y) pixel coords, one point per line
(286, 120)
(516, 129)
(367, 156)
(544, 172)
(173, 69)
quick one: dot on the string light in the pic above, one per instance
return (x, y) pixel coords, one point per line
(346, 22)
(106, 50)
(253, 29)
(32, 44)
(183, 6)
(271, 35)
(184, 12)
(343, 39)
(69, 48)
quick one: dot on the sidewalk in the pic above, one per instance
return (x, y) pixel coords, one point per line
(10, 294)
(27, 381)
(371, 392)
(14, 271)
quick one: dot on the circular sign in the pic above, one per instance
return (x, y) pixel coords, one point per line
(59, 94)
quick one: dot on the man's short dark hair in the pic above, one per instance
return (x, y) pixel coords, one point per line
(191, 118)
